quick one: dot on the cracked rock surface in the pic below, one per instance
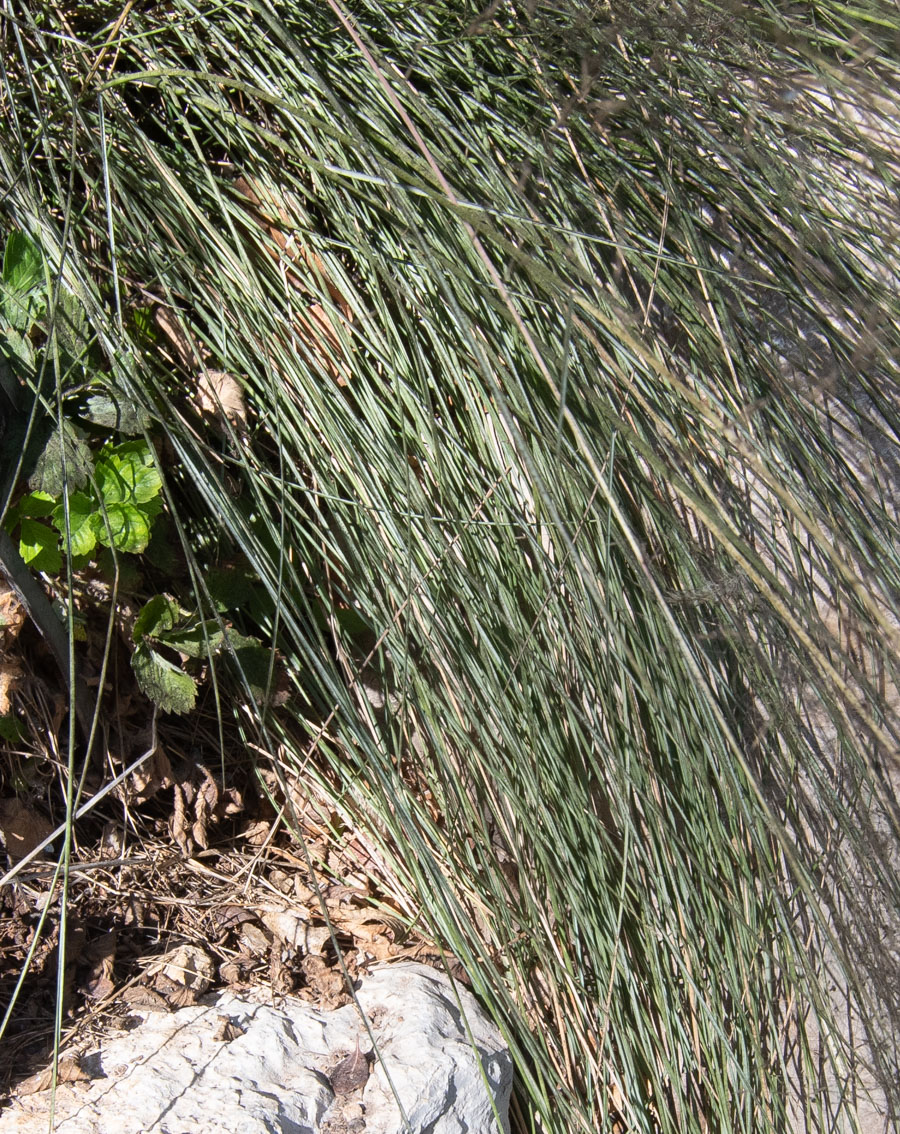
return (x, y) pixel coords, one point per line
(241, 1064)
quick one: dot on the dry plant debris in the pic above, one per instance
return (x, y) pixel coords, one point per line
(185, 881)
(351, 1073)
(12, 619)
(69, 1070)
(22, 828)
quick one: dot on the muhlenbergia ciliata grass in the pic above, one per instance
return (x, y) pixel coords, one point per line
(568, 337)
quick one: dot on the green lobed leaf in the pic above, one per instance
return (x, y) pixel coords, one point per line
(19, 348)
(22, 283)
(157, 616)
(169, 687)
(81, 526)
(143, 323)
(36, 504)
(198, 640)
(160, 551)
(252, 663)
(71, 324)
(163, 620)
(151, 508)
(229, 587)
(11, 729)
(22, 263)
(122, 526)
(116, 568)
(39, 546)
(127, 472)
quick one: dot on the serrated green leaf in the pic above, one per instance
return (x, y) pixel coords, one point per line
(169, 687)
(36, 504)
(127, 472)
(114, 411)
(122, 526)
(160, 551)
(71, 324)
(39, 546)
(158, 615)
(18, 348)
(237, 641)
(22, 311)
(197, 640)
(252, 662)
(151, 508)
(52, 474)
(81, 528)
(22, 263)
(23, 280)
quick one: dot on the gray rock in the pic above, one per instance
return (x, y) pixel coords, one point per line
(238, 1065)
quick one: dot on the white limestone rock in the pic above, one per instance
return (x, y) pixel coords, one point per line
(171, 1074)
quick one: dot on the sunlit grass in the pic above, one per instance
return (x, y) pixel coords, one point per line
(609, 292)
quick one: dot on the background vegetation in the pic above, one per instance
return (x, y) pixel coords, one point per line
(560, 471)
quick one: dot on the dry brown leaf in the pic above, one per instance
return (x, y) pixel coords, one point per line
(324, 984)
(317, 331)
(190, 357)
(281, 979)
(178, 995)
(232, 802)
(350, 1073)
(188, 965)
(279, 211)
(204, 807)
(12, 615)
(68, 1071)
(254, 939)
(227, 1030)
(111, 840)
(140, 996)
(229, 917)
(255, 834)
(197, 807)
(305, 270)
(22, 828)
(376, 934)
(10, 672)
(178, 822)
(100, 955)
(290, 926)
(154, 774)
(133, 912)
(317, 940)
(281, 880)
(220, 393)
(232, 972)
(198, 834)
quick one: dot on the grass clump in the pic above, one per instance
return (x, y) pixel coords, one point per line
(565, 474)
